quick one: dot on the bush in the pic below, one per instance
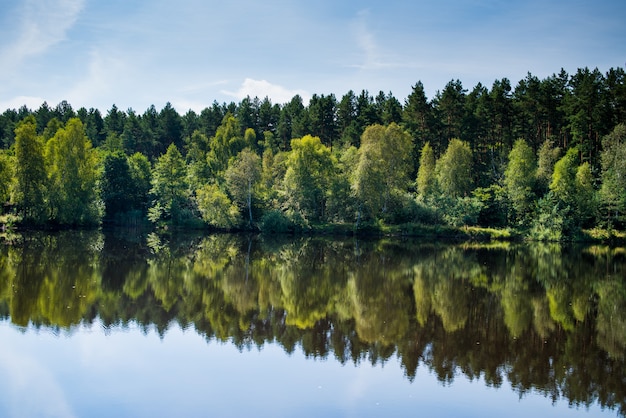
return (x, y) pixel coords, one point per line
(551, 221)
(275, 222)
(460, 211)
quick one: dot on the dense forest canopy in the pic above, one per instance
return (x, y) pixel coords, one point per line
(544, 156)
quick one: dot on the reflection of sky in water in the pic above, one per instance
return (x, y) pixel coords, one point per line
(126, 373)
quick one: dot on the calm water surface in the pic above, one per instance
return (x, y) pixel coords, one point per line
(130, 325)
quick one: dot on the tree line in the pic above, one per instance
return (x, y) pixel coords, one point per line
(544, 156)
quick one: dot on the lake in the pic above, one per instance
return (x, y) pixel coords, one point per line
(127, 324)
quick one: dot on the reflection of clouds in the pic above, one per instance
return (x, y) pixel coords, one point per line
(32, 388)
(359, 391)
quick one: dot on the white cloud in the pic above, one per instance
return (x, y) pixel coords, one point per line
(195, 88)
(371, 57)
(263, 88)
(182, 106)
(42, 24)
(106, 74)
(30, 102)
(34, 390)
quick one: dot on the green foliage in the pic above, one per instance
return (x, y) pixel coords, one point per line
(6, 176)
(216, 208)
(549, 223)
(73, 175)
(30, 173)
(310, 167)
(613, 158)
(141, 173)
(340, 203)
(586, 201)
(170, 186)
(463, 138)
(242, 175)
(383, 168)
(226, 143)
(563, 184)
(548, 155)
(494, 205)
(519, 179)
(454, 169)
(459, 211)
(117, 185)
(275, 222)
(572, 187)
(426, 178)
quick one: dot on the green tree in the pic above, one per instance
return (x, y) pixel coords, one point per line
(51, 128)
(322, 118)
(118, 188)
(449, 106)
(6, 176)
(114, 121)
(454, 169)
(519, 178)
(346, 120)
(197, 153)
(74, 174)
(586, 202)
(30, 172)
(242, 175)
(501, 109)
(291, 123)
(548, 156)
(426, 179)
(383, 168)
(216, 208)
(573, 190)
(310, 166)
(341, 203)
(563, 183)
(613, 158)
(169, 186)
(170, 127)
(586, 112)
(141, 173)
(226, 143)
(132, 136)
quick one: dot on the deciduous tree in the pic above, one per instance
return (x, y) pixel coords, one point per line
(519, 178)
(383, 168)
(30, 172)
(454, 169)
(73, 172)
(310, 166)
(242, 175)
(169, 186)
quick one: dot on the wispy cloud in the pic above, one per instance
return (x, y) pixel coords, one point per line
(42, 24)
(106, 75)
(371, 57)
(199, 87)
(263, 88)
(31, 102)
(33, 381)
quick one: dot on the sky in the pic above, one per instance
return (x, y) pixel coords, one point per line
(190, 53)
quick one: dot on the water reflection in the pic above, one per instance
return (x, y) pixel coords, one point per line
(545, 318)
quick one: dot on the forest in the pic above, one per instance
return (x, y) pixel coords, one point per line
(545, 158)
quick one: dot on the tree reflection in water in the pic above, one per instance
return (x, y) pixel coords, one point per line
(545, 318)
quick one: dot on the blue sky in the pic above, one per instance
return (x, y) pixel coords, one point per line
(137, 53)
